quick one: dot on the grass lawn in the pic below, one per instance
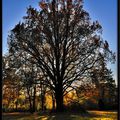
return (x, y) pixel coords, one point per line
(94, 115)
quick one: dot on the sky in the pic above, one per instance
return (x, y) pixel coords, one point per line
(105, 11)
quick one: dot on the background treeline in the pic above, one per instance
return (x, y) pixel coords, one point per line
(24, 90)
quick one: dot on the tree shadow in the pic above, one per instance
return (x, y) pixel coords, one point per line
(61, 117)
(14, 116)
(79, 116)
(66, 116)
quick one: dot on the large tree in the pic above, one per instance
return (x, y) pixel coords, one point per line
(63, 42)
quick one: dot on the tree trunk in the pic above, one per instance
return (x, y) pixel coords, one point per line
(43, 101)
(16, 103)
(53, 102)
(101, 98)
(34, 97)
(43, 107)
(28, 91)
(59, 98)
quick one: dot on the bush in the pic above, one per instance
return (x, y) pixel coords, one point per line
(75, 107)
(111, 106)
(90, 105)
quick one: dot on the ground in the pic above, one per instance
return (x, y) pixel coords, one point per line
(94, 115)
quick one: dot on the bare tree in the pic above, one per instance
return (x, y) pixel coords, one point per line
(63, 42)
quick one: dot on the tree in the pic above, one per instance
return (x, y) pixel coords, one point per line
(10, 83)
(102, 78)
(63, 42)
(28, 73)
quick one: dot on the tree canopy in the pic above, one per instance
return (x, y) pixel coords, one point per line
(63, 42)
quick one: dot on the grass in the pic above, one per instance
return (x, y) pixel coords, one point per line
(94, 115)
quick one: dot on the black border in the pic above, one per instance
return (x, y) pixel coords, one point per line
(118, 55)
(1, 62)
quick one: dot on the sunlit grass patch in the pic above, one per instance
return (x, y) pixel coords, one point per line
(104, 115)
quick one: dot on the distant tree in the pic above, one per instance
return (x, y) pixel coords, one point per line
(63, 42)
(103, 79)
(10, 83)
(110, 89)
(28, 72)
(42, 95)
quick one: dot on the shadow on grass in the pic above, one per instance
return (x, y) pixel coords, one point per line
(63, 116)
(53, 116)
(92, 116)
(14, 116)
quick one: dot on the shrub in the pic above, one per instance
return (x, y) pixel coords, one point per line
(90, 105)
(75, 107)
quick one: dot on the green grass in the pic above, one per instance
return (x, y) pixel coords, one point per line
(94, 115)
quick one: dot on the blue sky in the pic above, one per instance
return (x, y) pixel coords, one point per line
(105, 11)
